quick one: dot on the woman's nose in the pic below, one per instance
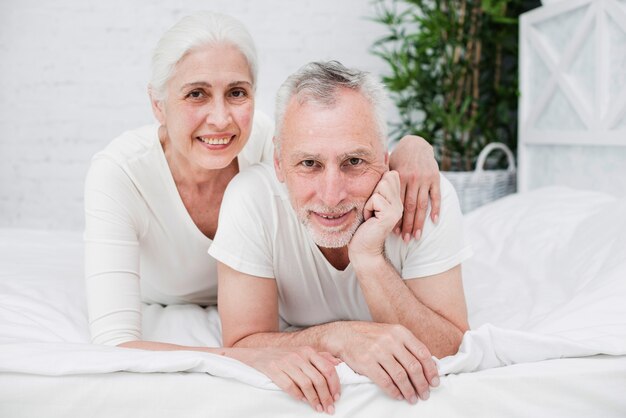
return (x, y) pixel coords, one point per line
(218, 115)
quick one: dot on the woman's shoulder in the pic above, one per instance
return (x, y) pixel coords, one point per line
(126, 160)
(259, 147)
(130, 145)
(256, 183)
(262, 123)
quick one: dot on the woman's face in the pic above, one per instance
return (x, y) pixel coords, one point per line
(208, 110)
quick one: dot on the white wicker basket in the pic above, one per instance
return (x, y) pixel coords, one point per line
(478, 187)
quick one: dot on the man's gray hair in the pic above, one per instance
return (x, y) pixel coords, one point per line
(320, 83)
(195, 31)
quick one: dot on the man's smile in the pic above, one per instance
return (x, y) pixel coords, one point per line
(331, 219)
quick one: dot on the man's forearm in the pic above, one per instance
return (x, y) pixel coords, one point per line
(391, 301)
(323, 337)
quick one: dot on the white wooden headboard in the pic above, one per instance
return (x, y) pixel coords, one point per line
(572, 113)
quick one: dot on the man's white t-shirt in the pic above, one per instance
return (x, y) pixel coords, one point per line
(259, 234)
(140, 242)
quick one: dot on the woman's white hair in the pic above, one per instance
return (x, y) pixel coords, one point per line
(194, 31)
(320, 82)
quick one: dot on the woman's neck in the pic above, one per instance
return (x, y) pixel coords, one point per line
(190, 176)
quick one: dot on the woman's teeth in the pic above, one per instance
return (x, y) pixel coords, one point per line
(215, 141)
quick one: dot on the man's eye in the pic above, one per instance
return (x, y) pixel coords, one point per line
(355, 161)
(308, 163)
(238, 94)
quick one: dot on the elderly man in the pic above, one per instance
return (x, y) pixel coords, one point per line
(317, 252)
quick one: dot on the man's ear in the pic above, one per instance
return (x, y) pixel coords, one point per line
(277, 165)
(157, 106)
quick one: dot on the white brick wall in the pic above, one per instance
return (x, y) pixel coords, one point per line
(73, 75)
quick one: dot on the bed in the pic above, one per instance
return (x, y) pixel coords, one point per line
(546, 292)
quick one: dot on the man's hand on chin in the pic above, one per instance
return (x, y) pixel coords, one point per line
(381, 213)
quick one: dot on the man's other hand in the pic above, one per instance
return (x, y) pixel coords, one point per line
(381, 213)
(391, 356)
(302, 372)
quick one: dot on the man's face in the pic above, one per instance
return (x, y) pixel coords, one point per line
(330, 159)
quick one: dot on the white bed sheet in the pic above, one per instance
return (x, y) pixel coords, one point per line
(573, 387)
(548, 281)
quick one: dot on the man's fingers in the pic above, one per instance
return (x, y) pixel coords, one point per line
(382, 379)
(368, 209)
(309, 376)
(328, 356)
(286, 384)
(323, 376)
(306, 385)
(389, 187)
(386, 194)
(375, 204)
(420, 352)
(415, 370)
(400, 378)
(330, 381)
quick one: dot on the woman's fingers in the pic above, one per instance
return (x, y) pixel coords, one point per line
(410, 209)
(435, 201)
(420, 214)
(416, 203)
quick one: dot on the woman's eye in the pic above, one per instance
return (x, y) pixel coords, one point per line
(195, 94)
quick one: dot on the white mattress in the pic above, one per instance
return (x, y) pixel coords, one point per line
(546, 290)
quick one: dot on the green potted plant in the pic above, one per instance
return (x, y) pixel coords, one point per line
(453, 73)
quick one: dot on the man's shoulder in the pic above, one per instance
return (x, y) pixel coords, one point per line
(441, 246)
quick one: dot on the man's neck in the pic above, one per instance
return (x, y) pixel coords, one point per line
(337, 257)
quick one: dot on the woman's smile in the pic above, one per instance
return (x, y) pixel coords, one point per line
(216, 142)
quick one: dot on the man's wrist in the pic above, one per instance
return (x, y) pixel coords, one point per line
(331, 338)
(364, 264)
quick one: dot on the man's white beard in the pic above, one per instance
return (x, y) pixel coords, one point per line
(331, 237)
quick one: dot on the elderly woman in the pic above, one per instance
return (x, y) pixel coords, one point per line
(153, 195)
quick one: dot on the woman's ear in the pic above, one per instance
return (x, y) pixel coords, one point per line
(157, 106)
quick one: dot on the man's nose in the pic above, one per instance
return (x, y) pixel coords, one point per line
(333, 187)
(218, 115)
